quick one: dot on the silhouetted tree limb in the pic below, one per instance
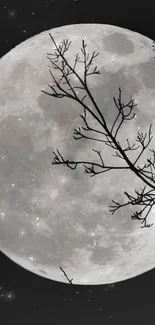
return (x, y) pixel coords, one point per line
(147, 199)
(109, 136)
(88, 170)
(70, 281)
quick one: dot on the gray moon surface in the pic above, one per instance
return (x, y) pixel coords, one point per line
(51, 216)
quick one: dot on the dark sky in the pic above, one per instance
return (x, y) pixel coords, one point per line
(24, 296)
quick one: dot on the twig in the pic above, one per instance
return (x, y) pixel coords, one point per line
(70, 281)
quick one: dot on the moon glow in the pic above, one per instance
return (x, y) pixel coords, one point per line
(51, 216)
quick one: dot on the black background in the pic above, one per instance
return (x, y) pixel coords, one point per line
(24, 296)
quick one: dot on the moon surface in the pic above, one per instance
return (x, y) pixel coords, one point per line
(52, 216)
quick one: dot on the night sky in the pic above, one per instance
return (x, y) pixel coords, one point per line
(24, 296)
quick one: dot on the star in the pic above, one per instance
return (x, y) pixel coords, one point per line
(12, 13)
(110, 287)
(8, 296)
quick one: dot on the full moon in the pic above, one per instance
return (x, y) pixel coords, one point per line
(52, 216)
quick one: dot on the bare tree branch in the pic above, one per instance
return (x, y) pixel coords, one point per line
(108, 136)
(143, 199)
(120, 106)
(65, 274)
(59, 160)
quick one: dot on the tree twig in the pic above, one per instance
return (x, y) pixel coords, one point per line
(65, 274)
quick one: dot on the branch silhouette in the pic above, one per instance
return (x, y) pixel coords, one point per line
(109, 136)
(65, 274)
